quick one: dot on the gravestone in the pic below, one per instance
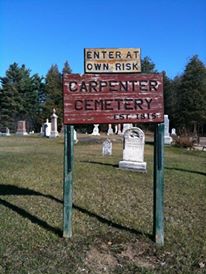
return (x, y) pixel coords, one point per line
(54, 133)
(47, 128)
(167, 137)
(173, 132)
(5, 131)
(116, 129)
(107, 147)
(110, 130)
(75, 137)
(62, 129)
(96, 130)
(133, 150)
(21, 128)
(125, 127)
(119, 131)
(42, 131)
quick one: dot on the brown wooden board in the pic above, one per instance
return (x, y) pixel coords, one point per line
(113, 98)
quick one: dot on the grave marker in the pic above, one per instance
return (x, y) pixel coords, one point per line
(96, 130)
(133, 150)
(47, 128)
(173, 132)
(21, 128)
(125, 127)
(107, 147)
(5, 132)
(167, 137)
(54, 133)
(110, 130)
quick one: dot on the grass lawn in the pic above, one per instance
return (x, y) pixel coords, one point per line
(112, 211)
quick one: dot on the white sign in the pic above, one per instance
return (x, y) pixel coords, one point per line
(112, 60)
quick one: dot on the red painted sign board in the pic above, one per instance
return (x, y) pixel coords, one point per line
(113, 98)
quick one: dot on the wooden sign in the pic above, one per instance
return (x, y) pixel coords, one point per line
(112, 60)
(113, 98)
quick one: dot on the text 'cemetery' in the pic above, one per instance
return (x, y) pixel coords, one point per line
(113, 98)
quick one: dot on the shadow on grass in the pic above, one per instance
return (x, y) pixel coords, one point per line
(32, 218)
(111, 223)
(186, 170)
(15, 190)
(100, 163)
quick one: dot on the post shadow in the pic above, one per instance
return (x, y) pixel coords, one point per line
(100, 163)
(15, 190)
(35, 220)
(111, 223)
(186, 170)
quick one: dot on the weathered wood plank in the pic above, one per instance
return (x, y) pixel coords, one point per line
(113, 98)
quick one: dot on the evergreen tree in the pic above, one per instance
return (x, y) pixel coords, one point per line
(173, 101)
(168, 95)
(147, 66)
(192, 95)
(37, 99)
(18, 97)
(12, 95)
(66, 68)
(53, 94)
(9, 106)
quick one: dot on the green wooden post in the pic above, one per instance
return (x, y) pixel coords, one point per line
(68, 183)
(158, 207)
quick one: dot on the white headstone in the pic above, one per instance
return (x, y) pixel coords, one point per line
(133, 150)
(54, 133)
(110, 130)
(116, 129)
(96, 129)
(107, 147)
(173, 132)
(75, 137)
(42, 131)
(167, 137)
(47, 128)
(5, 132)
(126, 127)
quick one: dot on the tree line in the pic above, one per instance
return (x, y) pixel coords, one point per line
(24, 96)
(30, 97)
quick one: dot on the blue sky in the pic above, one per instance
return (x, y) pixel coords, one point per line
(39, 33)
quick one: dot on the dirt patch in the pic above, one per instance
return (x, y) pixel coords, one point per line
(107, 257)
(100, 261)
(137, 257)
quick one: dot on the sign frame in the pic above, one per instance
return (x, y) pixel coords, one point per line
(158, 180)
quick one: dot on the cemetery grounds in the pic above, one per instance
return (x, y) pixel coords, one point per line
(112, 210)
